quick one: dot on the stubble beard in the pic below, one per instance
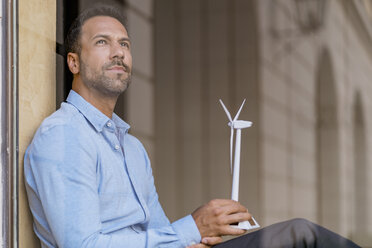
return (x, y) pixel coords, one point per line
(104, 84)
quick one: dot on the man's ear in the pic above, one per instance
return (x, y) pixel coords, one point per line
(73, 63)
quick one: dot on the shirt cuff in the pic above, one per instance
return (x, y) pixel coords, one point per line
(187, 231)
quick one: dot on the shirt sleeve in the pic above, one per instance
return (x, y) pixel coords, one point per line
(60, 170)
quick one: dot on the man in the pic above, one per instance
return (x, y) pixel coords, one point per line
(89, 182)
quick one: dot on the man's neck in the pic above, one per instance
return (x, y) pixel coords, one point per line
(103, 103)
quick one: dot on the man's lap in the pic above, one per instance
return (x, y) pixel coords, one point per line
(292, 233)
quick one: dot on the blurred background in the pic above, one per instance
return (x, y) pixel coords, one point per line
(304, 66)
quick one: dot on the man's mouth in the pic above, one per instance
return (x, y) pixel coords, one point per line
(117, 69)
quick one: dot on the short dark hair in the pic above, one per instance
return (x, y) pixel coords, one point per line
(72, 42)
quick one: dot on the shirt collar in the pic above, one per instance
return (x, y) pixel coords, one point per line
(93, 115)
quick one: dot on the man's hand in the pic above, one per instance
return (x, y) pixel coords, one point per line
(214, 218)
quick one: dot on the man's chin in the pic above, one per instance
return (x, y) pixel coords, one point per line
(113, 87)
(118, 90)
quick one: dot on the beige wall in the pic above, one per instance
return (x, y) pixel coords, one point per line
(307, 156)
(205, 50)
(37, 31)
(139, 105)
(293, 109)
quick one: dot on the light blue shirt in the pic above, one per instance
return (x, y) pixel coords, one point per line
(89, 184)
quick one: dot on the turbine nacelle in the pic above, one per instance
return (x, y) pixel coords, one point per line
(240, 124)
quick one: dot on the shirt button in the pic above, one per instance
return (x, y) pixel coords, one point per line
(117, 147)
(108, 124)
(192, 243)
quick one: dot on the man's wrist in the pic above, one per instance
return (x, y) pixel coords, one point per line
(187, 231)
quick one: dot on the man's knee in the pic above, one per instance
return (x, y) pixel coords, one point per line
(303, 229)
(301, 223)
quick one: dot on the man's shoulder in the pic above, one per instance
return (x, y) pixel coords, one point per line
(66, 116)
(65, 122)
(65, 126)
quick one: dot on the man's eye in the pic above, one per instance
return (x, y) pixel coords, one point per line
(124, 44)
(101, 42)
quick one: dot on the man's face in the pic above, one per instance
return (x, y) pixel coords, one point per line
(105, 58)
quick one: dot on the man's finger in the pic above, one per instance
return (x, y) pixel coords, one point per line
(233, 207)
(229, 230)
(237, 217)
(198, 246)
(211, 240)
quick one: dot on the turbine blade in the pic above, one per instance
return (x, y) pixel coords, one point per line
(231, 147)
(240, 109)
(226, 111)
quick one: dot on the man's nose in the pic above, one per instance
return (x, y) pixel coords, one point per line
(117, 51)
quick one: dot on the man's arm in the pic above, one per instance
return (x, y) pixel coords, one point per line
(60, 167)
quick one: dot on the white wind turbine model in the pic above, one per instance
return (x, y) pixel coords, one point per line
(238, 125)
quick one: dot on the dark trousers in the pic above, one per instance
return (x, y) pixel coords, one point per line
(293, 233)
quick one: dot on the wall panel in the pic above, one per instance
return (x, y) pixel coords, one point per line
(37, 89)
